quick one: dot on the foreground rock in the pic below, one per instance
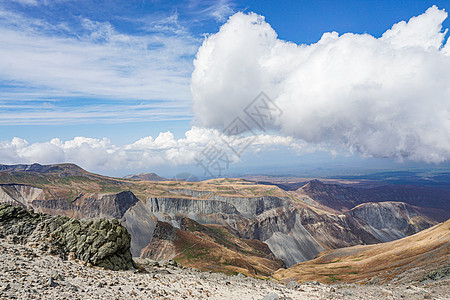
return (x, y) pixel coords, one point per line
(100, 242)
(28, 273)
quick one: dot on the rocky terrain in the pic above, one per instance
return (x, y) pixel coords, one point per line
(29, 273)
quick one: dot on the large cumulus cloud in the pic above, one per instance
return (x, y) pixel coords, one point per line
(386, 97)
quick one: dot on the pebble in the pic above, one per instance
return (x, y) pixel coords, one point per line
(271, 296)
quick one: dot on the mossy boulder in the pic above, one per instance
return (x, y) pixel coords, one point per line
(101, 242)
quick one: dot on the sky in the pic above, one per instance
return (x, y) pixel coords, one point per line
(225, 88)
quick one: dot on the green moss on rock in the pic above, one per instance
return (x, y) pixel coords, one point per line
(101, 242)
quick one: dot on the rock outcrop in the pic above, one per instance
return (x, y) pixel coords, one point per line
(100, 242)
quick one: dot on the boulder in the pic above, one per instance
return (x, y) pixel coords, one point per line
(100, 242)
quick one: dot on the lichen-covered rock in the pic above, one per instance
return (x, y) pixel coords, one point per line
(101, 242)
(17, 223)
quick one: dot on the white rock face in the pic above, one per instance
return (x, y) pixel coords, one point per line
(19, 194)
(295, 246)
(388, 221)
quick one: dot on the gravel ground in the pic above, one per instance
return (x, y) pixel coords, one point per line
(28, 273)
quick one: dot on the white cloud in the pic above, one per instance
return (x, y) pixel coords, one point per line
(148, 152)
(384, 97)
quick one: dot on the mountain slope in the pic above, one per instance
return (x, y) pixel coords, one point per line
(395, 261)
(210, 247)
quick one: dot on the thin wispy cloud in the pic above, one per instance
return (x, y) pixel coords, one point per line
(48, 113)
(219, 10)
(65, 62)
(101, 62)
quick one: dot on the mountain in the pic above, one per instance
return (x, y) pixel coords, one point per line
(413, 258)
(146, 177)
(293, 226)
(69, 169)
(342, 198)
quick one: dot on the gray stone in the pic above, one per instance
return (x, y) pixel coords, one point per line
(292, 285)
(51, 282)
(271, 296)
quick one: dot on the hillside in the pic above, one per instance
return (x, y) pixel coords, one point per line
(412, 258)
(210, 247)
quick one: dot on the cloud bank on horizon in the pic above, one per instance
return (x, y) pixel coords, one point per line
(382, 97)
(165, 149)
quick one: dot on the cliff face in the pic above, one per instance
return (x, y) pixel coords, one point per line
(20, 195)
(89, 206)
(272, 220)
(391, 220)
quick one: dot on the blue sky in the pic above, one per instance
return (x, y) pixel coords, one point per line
(121, 70)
